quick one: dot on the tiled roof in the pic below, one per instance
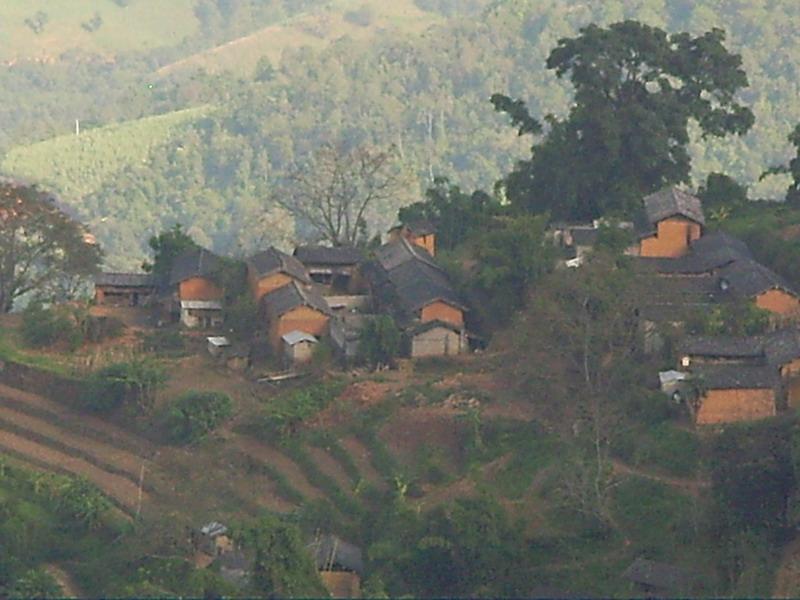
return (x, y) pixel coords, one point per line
(273, 260)
(782, 346)
(747, 278)
(197, 262)
(295, 337)
(125, 279)
(722, 346)
(396, 253)
(729, 377)
(327, 255)
(660, 575)
(332, 553)
(428, 325)
(670, 202)
(711, 252)
(279, 302)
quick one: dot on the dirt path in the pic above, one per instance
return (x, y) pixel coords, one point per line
(695, 487)
(68, 587)
(331, 467)
(462, 487)
(118, 488)
(362, 458)
(787, 579)
(281, 462)
(79, 421)
(102, 453)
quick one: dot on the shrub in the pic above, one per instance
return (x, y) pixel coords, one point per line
(194, 414)
(164, 342)
(283, 416)
(673, 450)
(379, 341)
(43, 327)
(132, 383)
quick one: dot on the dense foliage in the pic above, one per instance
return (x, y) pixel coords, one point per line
(194, 414)
(132, 384)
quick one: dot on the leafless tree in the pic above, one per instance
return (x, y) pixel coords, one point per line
(337, 190)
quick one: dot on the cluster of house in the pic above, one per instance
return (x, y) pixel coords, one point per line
(688, 272)
(339, 563)
(317, 292)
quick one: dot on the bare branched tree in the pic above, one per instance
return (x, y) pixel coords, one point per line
(336, 189)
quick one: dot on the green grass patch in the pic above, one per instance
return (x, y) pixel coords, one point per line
(531, 453)
(664, 448)
(77, 166)
(282, 486)
(381, 458)
(283, 416)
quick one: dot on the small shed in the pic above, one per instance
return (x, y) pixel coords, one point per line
(437, 338)
(213, 539)
(298, 346)
(237, 357)
(654, 579)
(217, 345)
(340, 565)
(234, 567)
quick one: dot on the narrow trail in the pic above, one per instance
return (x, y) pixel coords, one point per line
(695, 487)
(363, 459)
(120, 489)
(787, 578)
(287, 467)
(69, 589)
(103, 454)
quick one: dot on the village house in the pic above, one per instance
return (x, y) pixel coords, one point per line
(406, 283)
(731, 393)
(673, 219)
(194, 289)
(294, 307)
(651, 579)
(340, 565)
(749, 280)
(335, 268)
(422, 233)
(124, 289)
(272, 269)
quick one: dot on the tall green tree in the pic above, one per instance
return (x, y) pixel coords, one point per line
(793, 168)
(637, 89)
(42, 249)
(166, 247)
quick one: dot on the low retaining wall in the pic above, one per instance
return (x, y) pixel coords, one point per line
(43, 383)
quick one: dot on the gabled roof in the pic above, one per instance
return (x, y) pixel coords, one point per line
(125, 279)
(394, 254)
(280, 301)
(732, 377)
(417, 227)
(295, 337)
(747, 278)
(273, 260)
(434, 324)
(671, 202)
(782, 346)
(722, 346)
(196, 262)
(711, 252)
(332, 553)
(660, 575)
(328, 255)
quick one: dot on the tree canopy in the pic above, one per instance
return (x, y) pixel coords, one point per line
(636, 89)
(42, 250)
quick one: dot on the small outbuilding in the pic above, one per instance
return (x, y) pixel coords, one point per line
(298, 347)
(124, 289)
(437, 338)
(660, 580)
(340, 565)
(217, 345)
(201, 314)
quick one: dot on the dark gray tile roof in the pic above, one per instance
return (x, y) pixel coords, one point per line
(782, 346)
(731, 376)
(722, 346)
(664, 576)
(334, 554)
(421, 227)
(396, 253)
(428, 325)
(279, 302)
(670, 202)
(327, 255)
(584, 236)
(273, 260)
(747, 278)
(709, 253)
(197, 262)
(125, 279)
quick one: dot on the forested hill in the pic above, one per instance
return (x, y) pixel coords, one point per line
(422, 87)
